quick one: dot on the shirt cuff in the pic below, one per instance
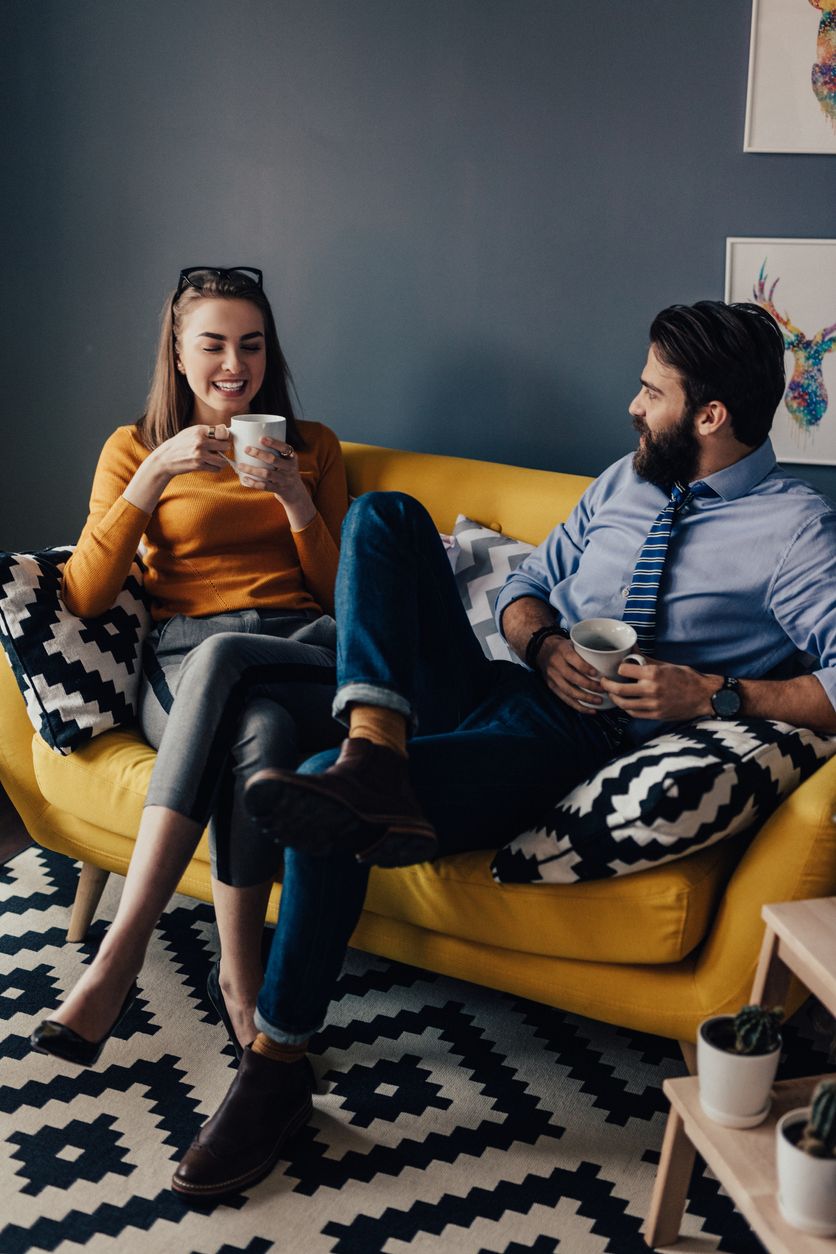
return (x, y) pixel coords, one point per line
(827, 679)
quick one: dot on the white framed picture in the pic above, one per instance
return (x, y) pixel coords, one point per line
(791, 96)
(795, 280)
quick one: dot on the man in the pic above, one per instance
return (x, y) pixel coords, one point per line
(728, 579)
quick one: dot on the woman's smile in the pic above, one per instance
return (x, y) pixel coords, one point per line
(230, 387)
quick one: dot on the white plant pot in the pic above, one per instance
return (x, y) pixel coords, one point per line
(806, 1185)
(735, 1089)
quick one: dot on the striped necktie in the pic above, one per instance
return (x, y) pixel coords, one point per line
(642, 599)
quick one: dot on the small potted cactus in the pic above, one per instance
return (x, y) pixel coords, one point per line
(737, 1057)
(806, 1158)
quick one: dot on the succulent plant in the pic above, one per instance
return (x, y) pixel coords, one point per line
(819, 1135)
(756, 1029)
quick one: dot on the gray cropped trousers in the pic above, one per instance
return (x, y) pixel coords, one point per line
(224, 696)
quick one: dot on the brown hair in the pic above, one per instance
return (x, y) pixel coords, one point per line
(170, 400)
(728, 353)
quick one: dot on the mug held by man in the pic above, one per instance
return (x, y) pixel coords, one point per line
(605, 643)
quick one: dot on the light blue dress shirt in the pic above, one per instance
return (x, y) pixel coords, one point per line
(750, 578)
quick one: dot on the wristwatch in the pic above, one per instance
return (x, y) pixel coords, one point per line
(726, 701)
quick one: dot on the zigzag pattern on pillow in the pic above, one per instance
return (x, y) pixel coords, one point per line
(482, 560)
(678, 793)
(78, 676)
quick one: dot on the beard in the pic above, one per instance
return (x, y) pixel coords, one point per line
(669, 457)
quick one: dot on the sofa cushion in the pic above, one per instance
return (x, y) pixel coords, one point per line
(482, 559)
(103, 783)
(78, 676)
(657, 916)
(671, 796)
(660, 915)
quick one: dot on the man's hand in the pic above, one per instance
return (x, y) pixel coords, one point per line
(568, 675)
(661, 690)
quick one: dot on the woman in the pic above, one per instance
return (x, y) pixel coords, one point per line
(241, 573)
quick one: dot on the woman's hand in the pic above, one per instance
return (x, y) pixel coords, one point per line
(279, 474)
(199, 447)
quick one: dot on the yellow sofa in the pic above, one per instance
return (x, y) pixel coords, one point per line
(657, 951)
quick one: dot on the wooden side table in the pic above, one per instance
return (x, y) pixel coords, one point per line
(743, 1161)
(800, 939)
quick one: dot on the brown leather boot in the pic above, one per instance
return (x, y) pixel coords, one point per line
(363, 804)
(266, 1105)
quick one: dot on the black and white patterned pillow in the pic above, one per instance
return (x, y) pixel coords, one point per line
(678, 793)
(482, 560)
(78, 676)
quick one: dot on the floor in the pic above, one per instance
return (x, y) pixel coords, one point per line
(13, 835)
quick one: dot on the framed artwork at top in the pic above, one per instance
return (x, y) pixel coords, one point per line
(791, 97)
(795, 280)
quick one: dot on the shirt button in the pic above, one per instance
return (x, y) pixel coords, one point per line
(625, 592)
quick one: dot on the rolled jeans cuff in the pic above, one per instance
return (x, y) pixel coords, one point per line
(372, 694)
(279, 1035)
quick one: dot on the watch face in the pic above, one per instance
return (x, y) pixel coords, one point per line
(726, 703)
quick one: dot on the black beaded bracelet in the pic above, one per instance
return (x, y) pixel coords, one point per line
(535, 641)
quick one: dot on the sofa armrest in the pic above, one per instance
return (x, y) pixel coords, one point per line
(17, 772)
(792, 857)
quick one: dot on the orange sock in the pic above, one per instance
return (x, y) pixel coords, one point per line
(276, 1051)
(379, 725)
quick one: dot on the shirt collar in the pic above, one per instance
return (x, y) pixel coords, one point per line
(739, 478)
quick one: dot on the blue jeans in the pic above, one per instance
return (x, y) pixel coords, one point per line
(492, 748)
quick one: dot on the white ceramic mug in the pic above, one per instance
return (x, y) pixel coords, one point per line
(605, 643)
(249, 428)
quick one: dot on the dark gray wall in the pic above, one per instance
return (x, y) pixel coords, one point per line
(467, 211)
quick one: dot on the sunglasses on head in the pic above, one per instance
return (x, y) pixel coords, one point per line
(199, 276)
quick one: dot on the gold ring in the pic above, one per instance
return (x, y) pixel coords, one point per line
(211, 433)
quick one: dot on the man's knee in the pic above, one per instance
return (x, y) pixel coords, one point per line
(392, 510)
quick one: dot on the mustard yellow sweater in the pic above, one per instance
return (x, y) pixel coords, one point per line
(211, 544)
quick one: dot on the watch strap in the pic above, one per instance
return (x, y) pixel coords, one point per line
(535, 641)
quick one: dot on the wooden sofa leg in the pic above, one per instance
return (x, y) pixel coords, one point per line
(91, 882)
(689, 1055)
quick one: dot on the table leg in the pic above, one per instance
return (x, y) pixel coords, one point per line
(689, 1056)
(772, 978)
(670, 1191)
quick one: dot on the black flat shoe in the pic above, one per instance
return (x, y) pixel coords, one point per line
(57, 1039)
(216, 997)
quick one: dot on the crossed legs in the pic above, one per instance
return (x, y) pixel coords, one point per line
(497, 749)
(242, 699)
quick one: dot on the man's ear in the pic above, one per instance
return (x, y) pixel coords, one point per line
(712, 419)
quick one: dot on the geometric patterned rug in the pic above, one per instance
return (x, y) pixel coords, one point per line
(448, 1117)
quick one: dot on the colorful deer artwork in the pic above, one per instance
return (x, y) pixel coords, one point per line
(823, 76)
(806, 394)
